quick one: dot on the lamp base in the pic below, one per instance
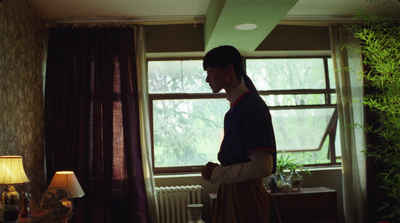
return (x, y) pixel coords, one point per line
(11, 213)
(11, 200)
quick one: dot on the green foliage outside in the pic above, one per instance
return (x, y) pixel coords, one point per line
(380, 46)
(188, 132)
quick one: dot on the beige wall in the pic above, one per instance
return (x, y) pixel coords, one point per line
(186, 38)
(285, 37)
(23, 46)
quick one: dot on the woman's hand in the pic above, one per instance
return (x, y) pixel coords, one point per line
(207, 170)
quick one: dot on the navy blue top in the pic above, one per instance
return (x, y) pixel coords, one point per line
(248, 128)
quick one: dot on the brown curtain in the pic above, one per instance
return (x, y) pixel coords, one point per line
(92, 121)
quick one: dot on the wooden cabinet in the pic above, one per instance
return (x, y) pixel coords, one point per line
(310, 205)
(317, 204)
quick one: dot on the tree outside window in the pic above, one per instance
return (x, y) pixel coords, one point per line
(187, 119)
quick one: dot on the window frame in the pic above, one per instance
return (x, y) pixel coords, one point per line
(327, 91)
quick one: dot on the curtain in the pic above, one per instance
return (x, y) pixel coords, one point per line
(349, 88)
(92, 121)
(145, 124)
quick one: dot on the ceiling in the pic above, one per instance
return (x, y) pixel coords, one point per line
(218, 16)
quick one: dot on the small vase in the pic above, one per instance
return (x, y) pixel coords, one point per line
(272, 184)
(295, 179)
(195, 213)
(286, 187)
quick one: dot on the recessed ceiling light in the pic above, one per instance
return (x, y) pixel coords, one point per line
(246, 26)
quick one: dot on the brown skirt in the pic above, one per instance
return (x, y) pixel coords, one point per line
(245, 202)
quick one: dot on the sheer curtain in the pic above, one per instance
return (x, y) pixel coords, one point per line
(92, 121)
(145, 123)
(349, 87)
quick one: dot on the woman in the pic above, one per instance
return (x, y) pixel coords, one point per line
(248, 151)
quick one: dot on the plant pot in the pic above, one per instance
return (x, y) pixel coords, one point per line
(295, 179)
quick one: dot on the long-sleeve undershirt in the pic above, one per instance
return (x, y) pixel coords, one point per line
(260, 166)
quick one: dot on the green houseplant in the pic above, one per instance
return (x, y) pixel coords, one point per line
(286, 163)
(380, 47)
(287, 172)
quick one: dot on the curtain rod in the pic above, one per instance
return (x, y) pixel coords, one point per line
(327, 21)
(317, 21)
(125, 22)
(177, 20)
(103, 22)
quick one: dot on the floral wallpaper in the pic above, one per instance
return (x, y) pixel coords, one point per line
(23, 47)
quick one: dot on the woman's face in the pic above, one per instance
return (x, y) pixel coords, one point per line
(217, 78)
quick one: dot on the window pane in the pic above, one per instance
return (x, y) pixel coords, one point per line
(338, 145)
(300, 129)
(331, 74)
(286, 74)
(333, 98)
(294, 99)
(177, 77)
(187, 132)
(310, 157)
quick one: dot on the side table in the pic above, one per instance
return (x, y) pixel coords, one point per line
(310, 205)
(37, 216)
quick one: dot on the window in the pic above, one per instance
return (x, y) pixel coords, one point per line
(300, 93)
(187, 119)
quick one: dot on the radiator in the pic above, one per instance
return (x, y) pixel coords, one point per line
(172, 202)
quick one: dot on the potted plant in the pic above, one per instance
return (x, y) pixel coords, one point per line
(380, 45)
(287, 178)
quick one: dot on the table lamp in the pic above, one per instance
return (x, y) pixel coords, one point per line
(66, 179)
(11, 172)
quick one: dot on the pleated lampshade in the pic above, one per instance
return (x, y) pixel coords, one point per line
(12, 170)
(67, 179)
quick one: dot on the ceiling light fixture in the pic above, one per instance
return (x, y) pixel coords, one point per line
(246, 26)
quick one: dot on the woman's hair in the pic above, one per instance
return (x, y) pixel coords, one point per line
(226, 55)
(222, 57)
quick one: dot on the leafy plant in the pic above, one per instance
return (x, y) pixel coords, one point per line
(286, 163)
(380, 47)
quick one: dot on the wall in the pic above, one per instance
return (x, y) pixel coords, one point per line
(188, 37)
(174, 38)
(23, 40)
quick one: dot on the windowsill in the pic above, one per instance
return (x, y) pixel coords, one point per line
(324, 168)
(197, 174)
(177, 175)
